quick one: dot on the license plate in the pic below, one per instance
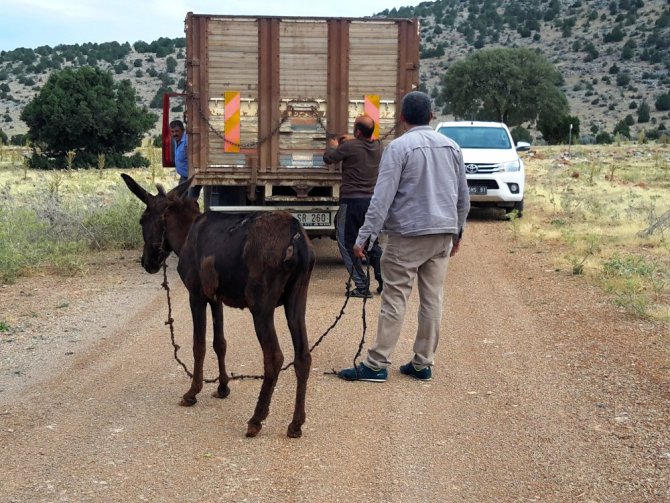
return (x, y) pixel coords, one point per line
(313, 218)
(478, 189)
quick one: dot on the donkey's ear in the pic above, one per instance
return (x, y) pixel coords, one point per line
(181, 189)
(136, 189)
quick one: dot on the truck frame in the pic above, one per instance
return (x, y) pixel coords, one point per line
(263, 95)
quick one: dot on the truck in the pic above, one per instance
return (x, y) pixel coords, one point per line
(263, 94)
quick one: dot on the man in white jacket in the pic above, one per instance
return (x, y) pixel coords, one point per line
(420, 201)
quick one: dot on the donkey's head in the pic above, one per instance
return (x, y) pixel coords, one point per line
(160, 238)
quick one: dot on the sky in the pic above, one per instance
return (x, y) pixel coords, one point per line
(32, 23)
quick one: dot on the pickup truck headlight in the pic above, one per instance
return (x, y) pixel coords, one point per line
(510, 166)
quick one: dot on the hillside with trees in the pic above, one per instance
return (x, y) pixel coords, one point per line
(149, 68)
(613, 59)
(613, 55)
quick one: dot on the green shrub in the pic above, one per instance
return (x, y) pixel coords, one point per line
(628, 266)
(604, 138)
(28, 242)
(116, 225)
(622, 79)
(521, 134)
(54, 227)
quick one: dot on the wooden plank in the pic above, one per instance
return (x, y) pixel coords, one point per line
(373, 60)
(303, 55)
(233, 53)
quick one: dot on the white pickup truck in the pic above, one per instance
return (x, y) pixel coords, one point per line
(494, 170)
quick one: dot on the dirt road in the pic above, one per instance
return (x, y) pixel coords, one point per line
(543, 391)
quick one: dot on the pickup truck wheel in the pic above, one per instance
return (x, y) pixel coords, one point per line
(518, 207)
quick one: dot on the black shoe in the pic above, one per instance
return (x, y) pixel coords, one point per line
(360, 294)
(380, 287)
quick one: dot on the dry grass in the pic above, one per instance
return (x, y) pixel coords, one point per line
(52, 220)
(591, 207)
(587, 209)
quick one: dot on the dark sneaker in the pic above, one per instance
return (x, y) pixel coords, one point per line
(380, 287)
(363, 373)
(360, 294)
(422, 374)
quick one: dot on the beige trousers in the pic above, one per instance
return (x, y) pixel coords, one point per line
(424, 258)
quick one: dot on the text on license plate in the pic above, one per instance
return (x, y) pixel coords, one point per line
(313, 218)
(477, 189)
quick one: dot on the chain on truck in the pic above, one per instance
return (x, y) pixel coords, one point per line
(263, 95)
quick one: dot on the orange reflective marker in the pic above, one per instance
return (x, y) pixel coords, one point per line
(231, 126)
(371, 108)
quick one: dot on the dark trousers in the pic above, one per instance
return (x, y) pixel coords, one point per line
(350, 218)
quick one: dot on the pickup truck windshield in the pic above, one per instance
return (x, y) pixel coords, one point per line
(478, 137)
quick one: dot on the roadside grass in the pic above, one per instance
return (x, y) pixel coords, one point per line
(592, 209)
(52, 220)
(589, 209)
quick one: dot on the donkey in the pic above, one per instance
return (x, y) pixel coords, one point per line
(254, 260)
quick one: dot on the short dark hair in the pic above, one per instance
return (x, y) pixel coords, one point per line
(177, 124)
(416, 108)
(365, 131)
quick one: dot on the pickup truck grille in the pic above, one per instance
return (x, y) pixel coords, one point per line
(488, 168)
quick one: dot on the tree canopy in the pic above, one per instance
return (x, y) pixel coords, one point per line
(86, 111)
(507, 85)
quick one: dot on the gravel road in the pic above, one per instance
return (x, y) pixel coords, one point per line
(543, 391)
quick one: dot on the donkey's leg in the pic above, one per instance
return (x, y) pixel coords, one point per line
(273, 359)
(295, 309)
(220, 349)
(199, 315)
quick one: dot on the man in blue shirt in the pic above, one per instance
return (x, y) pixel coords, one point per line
(180, 145)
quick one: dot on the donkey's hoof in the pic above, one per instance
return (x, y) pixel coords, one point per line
(294, 431)
(253, 429)
(187, 401)
(221, 392)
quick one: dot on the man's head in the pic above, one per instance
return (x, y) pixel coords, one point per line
(177, 129)
(364, 126)
(416, 109)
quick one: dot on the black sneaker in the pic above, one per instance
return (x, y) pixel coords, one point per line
(422, 374)
(363, 373)
(360, 294)
(380, 287)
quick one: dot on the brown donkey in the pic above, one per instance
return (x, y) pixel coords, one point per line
(257, 260)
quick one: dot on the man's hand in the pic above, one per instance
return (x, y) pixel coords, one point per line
(332, 143)
(359, 251)
(455, 247)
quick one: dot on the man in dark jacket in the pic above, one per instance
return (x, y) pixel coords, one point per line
(360, 158)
